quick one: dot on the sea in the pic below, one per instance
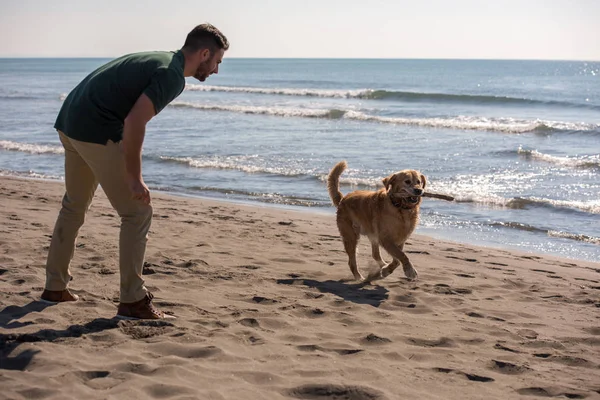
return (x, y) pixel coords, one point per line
(517, 143)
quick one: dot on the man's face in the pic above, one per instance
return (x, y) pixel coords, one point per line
(209, 66)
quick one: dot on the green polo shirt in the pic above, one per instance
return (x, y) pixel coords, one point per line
(95, 110)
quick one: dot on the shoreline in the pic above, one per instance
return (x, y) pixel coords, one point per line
(431, 233)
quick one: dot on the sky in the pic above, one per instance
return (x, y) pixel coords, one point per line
(463, 29)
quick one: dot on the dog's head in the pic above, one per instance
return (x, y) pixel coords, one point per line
(406, 187)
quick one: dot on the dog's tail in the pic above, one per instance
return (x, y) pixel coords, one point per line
(333, 182)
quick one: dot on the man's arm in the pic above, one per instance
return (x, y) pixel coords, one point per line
(134, 130)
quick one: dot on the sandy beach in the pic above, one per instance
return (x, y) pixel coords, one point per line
(266, 309)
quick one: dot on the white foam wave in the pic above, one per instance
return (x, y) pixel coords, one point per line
(591, 206)
(273, 111)
(249, 164)
(256, 164)
(573, 236)
(573, 162)
(492, 200)
(29, 174)
(31, 147)
(491, 190)
(506, 125)
(344, 94)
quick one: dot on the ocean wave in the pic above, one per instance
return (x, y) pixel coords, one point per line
(573, 236)
(270, 198)
(380, 94)
(519, 226)
(255, 165)
(29, 174)
(592, 206)
(249, 164)
(505, 125)
(16, 96)
(31, 147)
(559, 234)
(30, 96)
(520, 203)
(333, 93)
(272, 111)
(583, 162)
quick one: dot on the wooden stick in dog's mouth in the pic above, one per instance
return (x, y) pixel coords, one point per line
(438, 196)
(432, 195)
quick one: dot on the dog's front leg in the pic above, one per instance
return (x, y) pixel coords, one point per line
(399, 257)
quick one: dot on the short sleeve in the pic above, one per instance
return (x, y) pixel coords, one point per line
(165, 86)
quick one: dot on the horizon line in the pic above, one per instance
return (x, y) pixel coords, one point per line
(318, 58)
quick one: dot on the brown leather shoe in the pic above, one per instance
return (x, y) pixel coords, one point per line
(143, 309)
(58, 296)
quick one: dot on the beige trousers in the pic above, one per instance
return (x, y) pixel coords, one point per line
(86, 166)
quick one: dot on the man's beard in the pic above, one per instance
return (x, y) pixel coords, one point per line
(202, 72)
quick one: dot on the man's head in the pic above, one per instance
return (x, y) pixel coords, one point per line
(204, 48)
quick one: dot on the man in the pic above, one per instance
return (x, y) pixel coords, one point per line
(101, 125)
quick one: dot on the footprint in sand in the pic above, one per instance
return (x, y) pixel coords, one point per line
(263, 300)
(507, 368)
(250, 267)
(250, 322)
(549, 392)
(89, 375)
(463, 259)
(372, 339)
(443, 288)
(441, 342)
(567, 360)
(163, 391)
(471, 377)
(528, 333)
(37, 393)
(340, 351)
(592, 330)
(497, 263)
(500, 346)
(331, 391)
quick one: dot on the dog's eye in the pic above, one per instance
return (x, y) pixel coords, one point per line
(407, 181)
(418, 182)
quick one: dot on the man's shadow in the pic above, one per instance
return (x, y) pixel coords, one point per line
(9, 342)
(359, 293)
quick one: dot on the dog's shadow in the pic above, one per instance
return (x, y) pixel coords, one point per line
(359, 293)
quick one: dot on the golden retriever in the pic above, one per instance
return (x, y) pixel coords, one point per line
(387, 217)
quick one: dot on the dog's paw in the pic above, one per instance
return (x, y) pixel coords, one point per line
(359, 277)
(411, 273)
(373, 276)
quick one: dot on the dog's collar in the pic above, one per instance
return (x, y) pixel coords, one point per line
(400, 204)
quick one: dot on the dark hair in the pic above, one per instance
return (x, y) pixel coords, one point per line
(205, 36)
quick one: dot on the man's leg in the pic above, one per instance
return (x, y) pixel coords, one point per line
(80, 186)
(108, 163)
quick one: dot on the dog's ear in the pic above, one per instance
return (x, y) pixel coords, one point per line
(387, 181)
(424, 181)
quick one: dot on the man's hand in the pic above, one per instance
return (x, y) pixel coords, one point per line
(139, 190)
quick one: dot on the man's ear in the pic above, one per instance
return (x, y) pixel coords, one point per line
(424, 181)
(387, 182)
(205, 55)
